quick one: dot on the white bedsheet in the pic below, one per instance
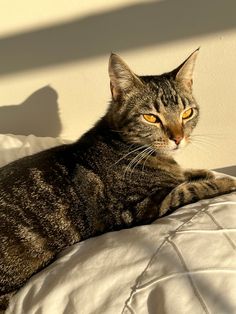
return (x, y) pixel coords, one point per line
(13, 147)
(184, 263)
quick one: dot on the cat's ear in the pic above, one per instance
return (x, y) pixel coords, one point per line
(122, 78)
(184, 73)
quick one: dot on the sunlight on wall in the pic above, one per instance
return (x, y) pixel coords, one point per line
(34, 14)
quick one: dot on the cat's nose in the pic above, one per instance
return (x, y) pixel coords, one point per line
(177, 139)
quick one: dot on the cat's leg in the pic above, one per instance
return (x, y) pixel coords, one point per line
(198, 174)
(190, 192)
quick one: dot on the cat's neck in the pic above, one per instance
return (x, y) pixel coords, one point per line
(104, 134)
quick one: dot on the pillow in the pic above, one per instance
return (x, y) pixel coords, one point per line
(13, 147)
(182, 263)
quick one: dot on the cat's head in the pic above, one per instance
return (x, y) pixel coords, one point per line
(158, 111)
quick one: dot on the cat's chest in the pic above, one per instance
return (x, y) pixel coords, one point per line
(129, 178)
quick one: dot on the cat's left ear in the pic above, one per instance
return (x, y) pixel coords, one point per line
(122, 78)
(184, 73)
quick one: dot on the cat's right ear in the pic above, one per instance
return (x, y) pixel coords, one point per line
(184, 73)
(122, 78)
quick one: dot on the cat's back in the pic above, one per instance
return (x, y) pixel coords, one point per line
(33, 186)
(48, 186)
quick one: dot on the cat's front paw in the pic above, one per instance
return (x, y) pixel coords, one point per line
(226, 184)
(198, 174)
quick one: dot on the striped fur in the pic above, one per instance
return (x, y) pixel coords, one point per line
(119, 174)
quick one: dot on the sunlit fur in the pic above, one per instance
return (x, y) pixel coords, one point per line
(161, 96)
(119, 174)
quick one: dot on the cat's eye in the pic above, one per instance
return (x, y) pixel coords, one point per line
(187, 114)
(151, 118)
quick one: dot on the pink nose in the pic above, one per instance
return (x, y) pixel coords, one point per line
(177, 139)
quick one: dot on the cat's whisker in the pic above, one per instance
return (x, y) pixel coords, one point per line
(130, 147)
(141, 157)
(199, 146)
(208, 135)
(137, 157)
(204, 142)
(133, 151)
(148, 155)
(202, 137)
(206, 138)
(131, 162)
(134, 162)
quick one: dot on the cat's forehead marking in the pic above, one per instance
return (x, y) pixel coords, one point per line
(164, 96)
(168, 99)
(166, 93)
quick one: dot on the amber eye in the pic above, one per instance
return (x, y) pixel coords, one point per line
(187, 114)
(151, 118)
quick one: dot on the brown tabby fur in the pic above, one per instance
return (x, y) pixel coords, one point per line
(120, 174)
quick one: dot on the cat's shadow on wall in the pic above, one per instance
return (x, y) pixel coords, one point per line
(37, 115)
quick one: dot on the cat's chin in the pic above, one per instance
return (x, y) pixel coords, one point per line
(174, 149)
(171, 152)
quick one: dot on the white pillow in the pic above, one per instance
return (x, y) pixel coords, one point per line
(183, 263)
(13, 147)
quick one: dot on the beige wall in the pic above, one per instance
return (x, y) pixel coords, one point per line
(53, 64)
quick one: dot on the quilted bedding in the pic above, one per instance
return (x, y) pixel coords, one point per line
(182, 263)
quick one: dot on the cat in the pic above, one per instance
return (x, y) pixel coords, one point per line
(119, 174)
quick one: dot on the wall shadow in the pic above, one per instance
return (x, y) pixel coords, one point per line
(37, 115)
(126, 28)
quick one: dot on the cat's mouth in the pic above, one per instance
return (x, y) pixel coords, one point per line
(180, 145)
(171, 146)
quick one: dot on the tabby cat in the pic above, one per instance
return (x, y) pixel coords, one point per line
(119, 174)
